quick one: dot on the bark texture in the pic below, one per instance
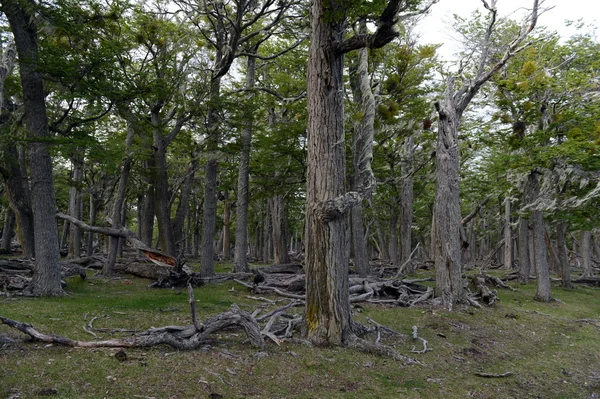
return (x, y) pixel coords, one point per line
(46, 279)
(539, 244)
(327, 313)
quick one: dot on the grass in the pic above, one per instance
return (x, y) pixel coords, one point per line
(551, 349)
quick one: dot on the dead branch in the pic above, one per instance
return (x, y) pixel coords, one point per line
(488, 375)
(178, 337)
(415, 336)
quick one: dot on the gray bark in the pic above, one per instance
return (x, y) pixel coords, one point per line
(363, 180)
(539, 244)
(561, 245)
(75, 205)
(8, 230)
(46, 279)
(406, 205)
(146, 222)
(240, 259)
(118, 205)
(446, 214)
(19, 197)
(183, 207)
(226, 227)
(523, 242)
(209, 214)
(280, 231)
(508, 242)
(586, 253)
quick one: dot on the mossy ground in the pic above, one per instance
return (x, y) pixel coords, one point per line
(552, 349)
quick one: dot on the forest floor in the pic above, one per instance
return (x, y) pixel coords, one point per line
(552, 350)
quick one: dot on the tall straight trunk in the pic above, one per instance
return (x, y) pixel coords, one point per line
(240, 257)
(539, 244)
(523, 243)
(146, 220)
(327, 314)
(94, 205)
(19, 197)
(446, 213)
(267, 236)
(196, 228)
(226, 227)
(183, 208)
(561, 248)
(280, 230)
(75, 206)
(209, 214)
(118, 205)
(393, 243)
(406, 204)
(362, 179)
(508, 241)
(586, 253)
(8, 230)
(161, 191)
(382, 242)
(46, 278)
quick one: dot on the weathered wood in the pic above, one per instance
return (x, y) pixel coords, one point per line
(179, 337)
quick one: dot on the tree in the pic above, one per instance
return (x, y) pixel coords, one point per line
(327, 314)
(446, 243)
(46, 279)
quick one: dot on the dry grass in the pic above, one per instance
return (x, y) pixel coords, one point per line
(552, 349)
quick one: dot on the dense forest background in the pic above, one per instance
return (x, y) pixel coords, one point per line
(185, 123)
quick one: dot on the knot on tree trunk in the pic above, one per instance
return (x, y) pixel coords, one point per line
(334, 209)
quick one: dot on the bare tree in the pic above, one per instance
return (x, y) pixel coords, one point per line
(446, 215)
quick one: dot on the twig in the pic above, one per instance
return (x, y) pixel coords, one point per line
(415, 335)
(408, 260)
(279, 310)
(199, 327)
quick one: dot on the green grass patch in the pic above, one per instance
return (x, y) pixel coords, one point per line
(552, 349)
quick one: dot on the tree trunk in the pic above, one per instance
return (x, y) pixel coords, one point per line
(46, 279)
(8, 231)
(406, 205)
(446, 214)
(539, 244)
(183, 208)
(383, 245)
(209, 215)
(327, 314)
(118, 205)
(75, 205)
(240, 259)
(508, 242)
(19, 197)
(393, 243)
(162, 193)
(226, 227)
(586, 253)
(147, 219)
(362, 180)
(280, 231)
(561, 244)
(524, 265)
(94, 205)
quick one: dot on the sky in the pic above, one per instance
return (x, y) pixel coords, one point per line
(435, 28)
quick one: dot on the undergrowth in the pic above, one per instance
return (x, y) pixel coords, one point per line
(553, 350)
